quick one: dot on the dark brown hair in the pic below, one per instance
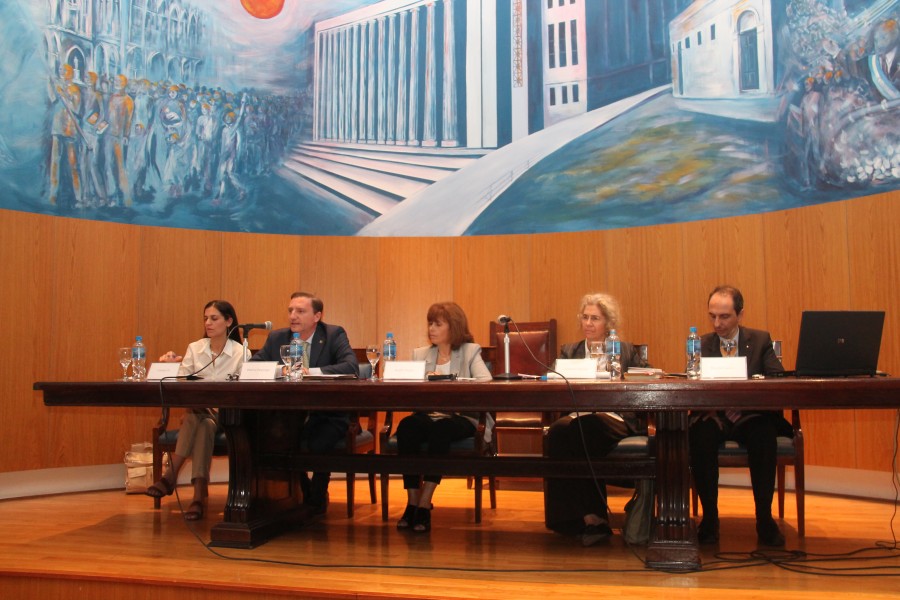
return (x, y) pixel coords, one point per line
(453, 314)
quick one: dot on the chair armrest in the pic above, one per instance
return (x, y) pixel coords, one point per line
(482, 447)
(795, 421)
(163, 422)
(385, 432)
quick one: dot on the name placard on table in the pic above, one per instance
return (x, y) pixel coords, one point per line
(404, 370)
(577, 368)
(260, 370)
(162, 370)
(723, 368)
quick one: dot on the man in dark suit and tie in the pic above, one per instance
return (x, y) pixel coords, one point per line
(326, 351)
(755, 430)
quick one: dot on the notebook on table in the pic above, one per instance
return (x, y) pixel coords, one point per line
(839, 343)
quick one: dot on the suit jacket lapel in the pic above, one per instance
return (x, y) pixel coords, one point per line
(318, 343)
(579, 350)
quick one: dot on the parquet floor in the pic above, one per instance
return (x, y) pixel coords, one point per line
(113, 545)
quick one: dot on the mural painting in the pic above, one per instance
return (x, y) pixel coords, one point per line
(444, 117)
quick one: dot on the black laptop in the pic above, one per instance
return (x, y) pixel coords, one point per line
(839, 343)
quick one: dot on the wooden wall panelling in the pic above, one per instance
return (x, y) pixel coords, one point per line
(343, 272)
(874, 244)
(181, 271)
(645, 273)
(807, 269)
(727, 252)
(413, 273)
(259, 274)
(95, 268)
(27, 251)
(491, 277)
(563, 269)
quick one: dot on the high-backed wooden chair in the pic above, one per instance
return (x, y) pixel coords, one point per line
(532, 349)
(790, 453)
(472, 446)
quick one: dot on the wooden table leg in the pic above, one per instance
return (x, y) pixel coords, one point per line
(264, 499)
(673, 540)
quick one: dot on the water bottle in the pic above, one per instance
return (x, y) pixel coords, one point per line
(693, 355)
(296, 358)
(614, 355)
(138, 360)
(389, 349)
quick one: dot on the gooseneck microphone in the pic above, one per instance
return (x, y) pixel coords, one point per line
(507, 376)
(248, 326)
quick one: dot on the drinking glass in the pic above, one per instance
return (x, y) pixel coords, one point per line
(125, 360)
(288, 359)
(373, 353)
(595, 349)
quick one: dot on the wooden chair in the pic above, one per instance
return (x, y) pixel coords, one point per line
(358, 440)
(165, 439)
(525, 338)
(472, 446)
(790, 452)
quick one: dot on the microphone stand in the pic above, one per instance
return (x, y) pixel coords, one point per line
(244, 332)
(506, 376)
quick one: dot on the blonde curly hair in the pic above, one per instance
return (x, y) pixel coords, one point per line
(608, 305)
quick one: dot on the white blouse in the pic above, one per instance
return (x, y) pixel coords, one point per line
(199, 359)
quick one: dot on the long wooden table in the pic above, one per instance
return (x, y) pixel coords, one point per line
(261, 420)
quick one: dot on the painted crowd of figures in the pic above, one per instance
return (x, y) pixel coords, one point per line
(116, 142)
(843, 123)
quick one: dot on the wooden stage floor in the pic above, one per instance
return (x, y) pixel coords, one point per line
(113, 545)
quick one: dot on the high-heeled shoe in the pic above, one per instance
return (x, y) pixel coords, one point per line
(408, 516)
(422, 520)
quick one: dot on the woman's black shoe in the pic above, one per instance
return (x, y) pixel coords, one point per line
(407, 518)
(422, 520)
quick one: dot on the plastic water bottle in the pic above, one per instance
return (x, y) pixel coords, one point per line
(296, 357)
(138, 360)
(389, 349)
(693, 355)
(614, 355)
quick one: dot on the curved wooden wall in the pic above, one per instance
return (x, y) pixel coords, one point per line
(74, 291)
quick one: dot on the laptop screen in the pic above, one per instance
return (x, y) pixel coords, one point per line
(839, 343)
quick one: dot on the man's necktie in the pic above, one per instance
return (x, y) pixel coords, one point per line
(306, 355)
(730, 350)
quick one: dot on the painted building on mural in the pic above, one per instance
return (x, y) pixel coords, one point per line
(724, 58)
(449, 73)
(153, 39)
(741, 59)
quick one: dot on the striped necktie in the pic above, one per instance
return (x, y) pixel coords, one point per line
(730, 350)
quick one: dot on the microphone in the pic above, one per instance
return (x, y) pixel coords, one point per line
(248, 326)
(505, 320)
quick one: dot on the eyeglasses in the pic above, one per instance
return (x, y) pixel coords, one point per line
(591, 318)
(233, 377)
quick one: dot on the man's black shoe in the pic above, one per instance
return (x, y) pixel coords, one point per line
(708, 531)
(768, 534)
